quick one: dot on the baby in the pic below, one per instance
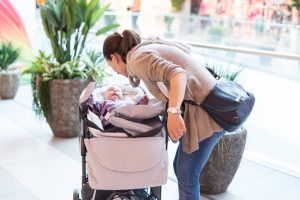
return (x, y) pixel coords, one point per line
(115, 92)
(115, 96)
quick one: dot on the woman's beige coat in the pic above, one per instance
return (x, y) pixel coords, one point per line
(156, 60)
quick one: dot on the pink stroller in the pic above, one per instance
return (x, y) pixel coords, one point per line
(128, 155)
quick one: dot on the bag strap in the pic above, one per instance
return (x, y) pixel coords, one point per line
(192, 102)
(164, 90)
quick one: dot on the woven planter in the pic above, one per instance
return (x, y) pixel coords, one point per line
(9, 84)
(63, 118)
(223, 163)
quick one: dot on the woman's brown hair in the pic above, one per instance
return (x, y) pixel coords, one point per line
(120, 43)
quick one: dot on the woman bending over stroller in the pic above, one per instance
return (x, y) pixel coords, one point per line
(172, 63)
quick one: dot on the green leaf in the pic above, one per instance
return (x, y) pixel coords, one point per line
(58, 10)
(50, 16)
(8, 55)
(106, 29)
(95, 16)
(73, 8)
(91, 8)
(93, 4)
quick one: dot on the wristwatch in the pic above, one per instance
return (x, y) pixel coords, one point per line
(174, 110)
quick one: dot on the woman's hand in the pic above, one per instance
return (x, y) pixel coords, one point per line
(176, 126)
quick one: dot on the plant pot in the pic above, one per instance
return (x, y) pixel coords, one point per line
(9, 84)
(223, 163)
(63, 117)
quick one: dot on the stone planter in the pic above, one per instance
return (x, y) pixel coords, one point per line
(223, 163)
(63, 118)
(9, 84)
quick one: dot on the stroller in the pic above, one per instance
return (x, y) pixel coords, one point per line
(129, 155)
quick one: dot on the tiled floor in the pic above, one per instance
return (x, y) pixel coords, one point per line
(35, 165)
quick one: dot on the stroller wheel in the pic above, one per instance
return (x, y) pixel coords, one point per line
(76, 194)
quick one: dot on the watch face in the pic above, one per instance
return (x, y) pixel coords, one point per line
(173, 110)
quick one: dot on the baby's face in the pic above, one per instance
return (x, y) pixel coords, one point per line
(113, 93)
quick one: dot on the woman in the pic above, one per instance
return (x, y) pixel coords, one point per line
(173, 64)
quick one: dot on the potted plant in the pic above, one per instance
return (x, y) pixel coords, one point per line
(58, 79)
(225, 158)
(9, 80)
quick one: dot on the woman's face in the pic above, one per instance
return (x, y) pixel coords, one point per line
(117, 64)
(113, 93)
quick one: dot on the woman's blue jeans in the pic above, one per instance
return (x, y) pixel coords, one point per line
(188, 167)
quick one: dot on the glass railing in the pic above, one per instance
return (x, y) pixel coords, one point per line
(255, 34)
(273, 48)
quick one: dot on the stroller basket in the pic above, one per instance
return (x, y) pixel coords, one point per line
(126, 163)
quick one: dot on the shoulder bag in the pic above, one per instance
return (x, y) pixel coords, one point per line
(228, 103)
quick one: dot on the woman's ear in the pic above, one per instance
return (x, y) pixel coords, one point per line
(114, 58)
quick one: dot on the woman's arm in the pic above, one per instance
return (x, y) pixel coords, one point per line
(177, 89)
(175, 125)
(153, 68)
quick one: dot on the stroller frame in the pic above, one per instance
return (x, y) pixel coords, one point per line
(86, 192)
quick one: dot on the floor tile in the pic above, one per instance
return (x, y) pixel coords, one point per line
(3, 173)
(60, 190)
(10, 185)
(39, 172)
(206, 198)
(26, 149)
(11, 132)
(172, 147)
(264, 187)
(24, 118)
(23, 96)
(248, 171)
(291, 194)
(169, 192)
(69, 146)
(223, 196)
(21, 195)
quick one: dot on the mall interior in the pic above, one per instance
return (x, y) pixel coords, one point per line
(51, 49)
